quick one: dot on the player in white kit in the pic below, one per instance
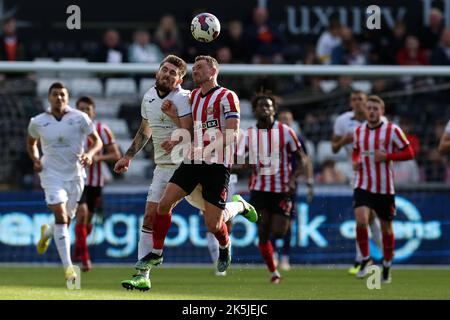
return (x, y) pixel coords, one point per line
(343, 131)
(444, 145)
(61, 132)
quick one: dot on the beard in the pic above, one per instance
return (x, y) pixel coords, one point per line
(163, 87)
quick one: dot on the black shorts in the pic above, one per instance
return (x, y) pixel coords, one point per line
(382, 204)
(213, 178)
(92, 196)
(274, 203)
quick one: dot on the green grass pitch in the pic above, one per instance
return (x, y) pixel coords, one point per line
(174, 283)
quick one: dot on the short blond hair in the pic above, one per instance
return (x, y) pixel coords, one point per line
(212, 62)
(376, 99)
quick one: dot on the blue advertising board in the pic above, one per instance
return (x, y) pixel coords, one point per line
(322, 233)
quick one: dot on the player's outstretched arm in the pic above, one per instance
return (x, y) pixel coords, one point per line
(444, 145)
(140, 140)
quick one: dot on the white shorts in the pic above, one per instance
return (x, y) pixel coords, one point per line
(161, 177)
(59, 191)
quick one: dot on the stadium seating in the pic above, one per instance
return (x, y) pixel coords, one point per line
(121, 87)
(119, 127)
(85, 86)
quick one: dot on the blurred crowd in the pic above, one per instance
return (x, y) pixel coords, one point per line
(259, 41)
(314, 101)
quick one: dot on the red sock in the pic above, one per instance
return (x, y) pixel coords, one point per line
(81, 242)
(89, 228)
(160, 229)
(266, 250)
(222, 235)
(388, 246)
(362, 236)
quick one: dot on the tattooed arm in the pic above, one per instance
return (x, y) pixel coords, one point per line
(140, 140)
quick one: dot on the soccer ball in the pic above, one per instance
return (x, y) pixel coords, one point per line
(205, 27)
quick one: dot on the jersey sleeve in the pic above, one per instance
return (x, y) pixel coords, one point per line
(292, 141)
(182, 103)
(230, 103)
(447, 128)
(107, 135)
(87, 126)
(338, 128)
(399, 138)
(143, 111)
(32, 129)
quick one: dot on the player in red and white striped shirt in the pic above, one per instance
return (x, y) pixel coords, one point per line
(272, 182)
(377, 143)
(214, 110)
(91, 199)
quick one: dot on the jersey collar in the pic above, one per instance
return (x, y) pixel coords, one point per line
(209, 91)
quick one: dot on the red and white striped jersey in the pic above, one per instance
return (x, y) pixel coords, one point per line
(272, 176)
(94, 171)
(371, 176)
(210, 111)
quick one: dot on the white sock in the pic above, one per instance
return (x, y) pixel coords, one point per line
(387, 264)
(359, 256)
(213, 246)
(232, 209)
(145, 244)
(145, 273)
(276, 274)
(376, 233)
(157, 251)
(49, 232)
(62, 239)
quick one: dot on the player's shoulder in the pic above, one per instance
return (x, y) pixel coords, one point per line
(227, 92)
(345, 116)
(181, 92)
(43, 116)
(149, 93)
(77, 114)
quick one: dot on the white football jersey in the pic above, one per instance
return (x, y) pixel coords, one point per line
(62, 142)
(346, 124)
(161, 124)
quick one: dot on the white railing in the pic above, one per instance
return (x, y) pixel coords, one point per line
(233, 69)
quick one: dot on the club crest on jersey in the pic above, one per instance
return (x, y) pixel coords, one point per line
(210, 110)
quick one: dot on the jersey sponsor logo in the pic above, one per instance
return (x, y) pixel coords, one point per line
(151, 100)
(208, 124)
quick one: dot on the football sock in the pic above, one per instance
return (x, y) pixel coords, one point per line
(375, 230)
(80, 240)
(362, 235)
(266, 250)
(161, 227)
(145, 244)
(388, 246)
(359, 256)
(222, 235)
(213, 246)
(232, 209)
(62, 240)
